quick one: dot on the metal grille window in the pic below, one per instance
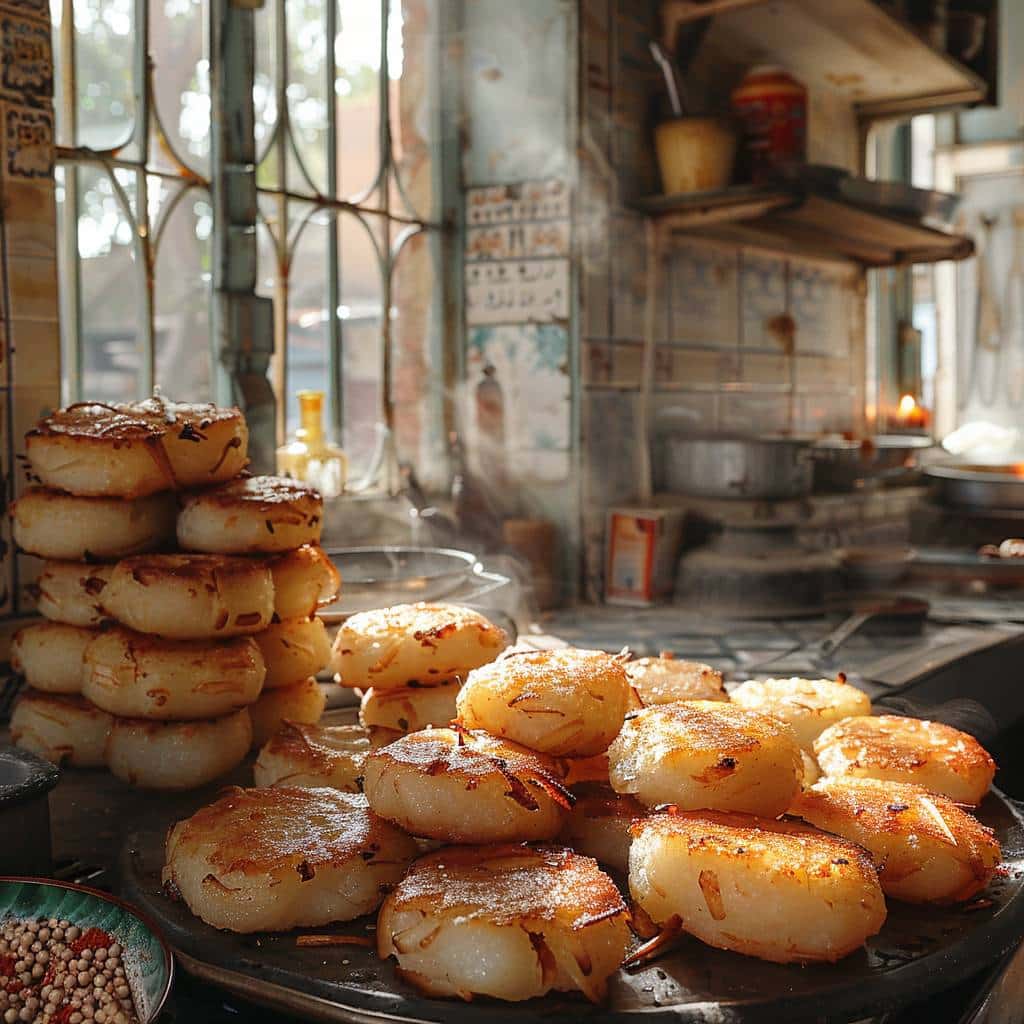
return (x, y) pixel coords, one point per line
(346, 130)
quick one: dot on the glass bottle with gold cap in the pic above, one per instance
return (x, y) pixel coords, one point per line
(309, 456)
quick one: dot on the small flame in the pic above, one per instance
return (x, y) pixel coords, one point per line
(908, 406)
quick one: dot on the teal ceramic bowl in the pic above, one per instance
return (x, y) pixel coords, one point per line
(147, 958)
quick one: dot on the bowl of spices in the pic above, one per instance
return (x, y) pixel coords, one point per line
(74, 955)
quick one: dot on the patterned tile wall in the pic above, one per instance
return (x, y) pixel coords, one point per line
(747, 340)
(30, 342)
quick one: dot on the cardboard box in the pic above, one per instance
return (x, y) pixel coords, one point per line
(641, 547)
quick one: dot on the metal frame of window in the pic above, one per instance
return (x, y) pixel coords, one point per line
(248, 339)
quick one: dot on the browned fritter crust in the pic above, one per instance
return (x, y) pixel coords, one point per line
(905, 744)
(542, 883)
(299, 741)
(260, 831)
(899, 809)
(275, 494)
(475, 755)
(718, 726)
(136, 421)
(792, 847)
(204, 570)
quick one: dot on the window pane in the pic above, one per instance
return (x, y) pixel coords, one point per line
(307, 95)
(104, 43)
(182, 298)
(357, 95)
(413, 102)
(181, 81)
(264, 93)
(361, 299)
(417, 377)
(307, 318)
(112, 285)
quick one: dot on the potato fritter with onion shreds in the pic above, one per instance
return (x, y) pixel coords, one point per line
(49, 655)
(664, 680)
(566, 702)
(600, 824)
(177, 755)
(896, 749)
(408, 708)
(926, 848)
(63, 728)
(65, 527)
(283, 857)
(134, 449)
(70, 592)
(809, 705)
(513, 922)
(293, 650)
(190, 597)
(304, 579)
(466, 787)
(702, 753)
(251, 515)
(776, 890)
(406, 644)
(302, 702)
(313, 755)
(141, 676)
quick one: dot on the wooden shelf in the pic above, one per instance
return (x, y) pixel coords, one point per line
(850, 47)
(823, 226)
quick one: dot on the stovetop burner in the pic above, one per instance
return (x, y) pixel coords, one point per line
(756, 572)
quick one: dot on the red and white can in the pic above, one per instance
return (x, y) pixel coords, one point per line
(771, 108)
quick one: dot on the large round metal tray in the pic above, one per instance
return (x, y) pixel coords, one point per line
(376, 577)
(920, 951)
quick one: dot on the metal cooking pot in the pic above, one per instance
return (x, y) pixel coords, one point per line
(774, 468)
(843, 465)
(979, 486)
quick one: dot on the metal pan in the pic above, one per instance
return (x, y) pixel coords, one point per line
(920, 951)
(978, 486)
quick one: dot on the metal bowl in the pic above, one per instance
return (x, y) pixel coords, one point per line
(148, 964)
(979, 486)
(25, 783)
(844, 465)
(376, 577)
(765, 468)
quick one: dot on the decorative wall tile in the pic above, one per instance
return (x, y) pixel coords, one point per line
(753, 413)
(628, 363)
(762, 297)
(689, 368)
(26, 57)
(32, 289)
(611, 435)
(818, 295)
(29, 219)
(526, 436)
(683, 412)
(832, 413)
(629, 276)
(701, 284)
(823, 373)
(28, 142)
(596, 362)
(767, 371)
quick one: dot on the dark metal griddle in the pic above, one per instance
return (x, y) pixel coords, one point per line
(920, 951)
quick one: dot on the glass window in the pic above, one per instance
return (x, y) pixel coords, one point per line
(346, 106)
